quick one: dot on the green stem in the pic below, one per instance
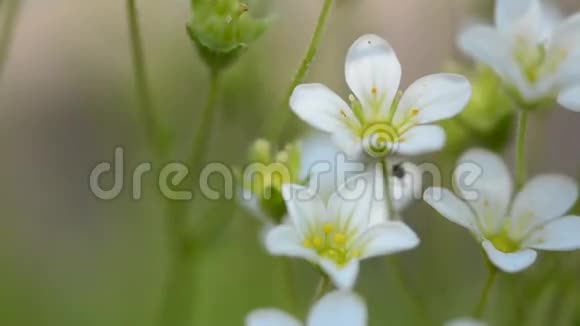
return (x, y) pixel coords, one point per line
(154, 133)
(8, 27)
(397, 275)
(179, 298)
(388, 197)
(484, 296)
(521, 149)
(178, 306)
(280, 116)
(321, 289)
(202, 136)
(289, 283)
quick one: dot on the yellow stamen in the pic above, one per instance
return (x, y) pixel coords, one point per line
(317, 242)
(356, 254)
(340, 239)
(414, 111)
(374, 90)
(307, 243)
(328, 228)
(342, 113)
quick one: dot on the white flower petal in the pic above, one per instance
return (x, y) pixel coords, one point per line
(570, 98)
(433, 98)
(321, 108)
(512, 262)
(509, 11)
(338, 308)
(305, 208)
(560, 234)
(522, 17)
(452, 208)
(343, 277)
(386, 238)
(486, 45)
(270, 317)
(566, 36)
(421, 140)
(543, 198)
(349, 143)
(371, 63)
(350, 205)
(283, 240)
(482, 178)
(465, 321)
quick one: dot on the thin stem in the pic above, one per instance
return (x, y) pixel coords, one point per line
(484, 296)
(152, 129)
(178, 305)
(521, 148)
(278, 121)
(397, 275)
(202, 136)
(388, 196)
(289, 283)
(322, 288)
(8, 27)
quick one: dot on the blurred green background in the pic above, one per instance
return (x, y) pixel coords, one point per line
(67, 100)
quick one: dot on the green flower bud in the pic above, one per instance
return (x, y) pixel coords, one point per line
(267, 172)
(223, 29)
(487, 119)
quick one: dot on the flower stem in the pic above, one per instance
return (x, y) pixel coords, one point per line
(8, 27)
(178, 305)
(202, 137)
(388, 196)
(288, 275)
(521, 148)
(397, 275)
(321, 289)
(484, 296)
(153, 131)
(278, 121)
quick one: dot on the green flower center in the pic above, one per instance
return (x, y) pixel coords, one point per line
(332, 243)
(535, 60)
(377, 130)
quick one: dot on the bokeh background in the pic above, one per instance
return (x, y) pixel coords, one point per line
(67, 100)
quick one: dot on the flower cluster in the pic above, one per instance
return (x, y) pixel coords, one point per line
(537, 61)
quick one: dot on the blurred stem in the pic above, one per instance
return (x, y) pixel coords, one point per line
(322, 287)
(397, 275)
(521, 148)
(288, 275)
(484, 296)
(178, 306)
(388, 197)
(202, 136)
(278, 121)
(12, 9)
(154, 134)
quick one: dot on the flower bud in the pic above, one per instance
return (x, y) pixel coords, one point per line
(265, 175)
(486, 121)
(222, 30)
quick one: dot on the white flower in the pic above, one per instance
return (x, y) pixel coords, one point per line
(527, 51)
(381, 120)
(510, 230)
(570, 98)
(337, 236)
(325, 165)
(337, 308)
(466, 321)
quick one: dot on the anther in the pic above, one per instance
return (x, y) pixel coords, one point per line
(340, 239)
(328, 228)
(317, 242)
